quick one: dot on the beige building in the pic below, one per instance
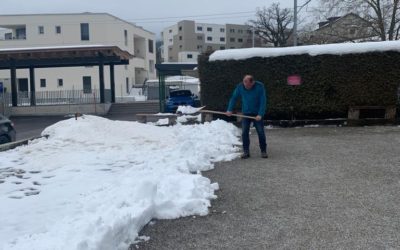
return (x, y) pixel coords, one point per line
(184, 41)
(41, 30)
(347, 28)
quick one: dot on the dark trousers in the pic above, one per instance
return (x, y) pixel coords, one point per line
(259, 125)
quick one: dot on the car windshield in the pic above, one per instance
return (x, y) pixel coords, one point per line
(181, 93)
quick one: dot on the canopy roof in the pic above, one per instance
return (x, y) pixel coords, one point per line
(63, 56)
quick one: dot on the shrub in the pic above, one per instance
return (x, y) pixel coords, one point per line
(330, 83)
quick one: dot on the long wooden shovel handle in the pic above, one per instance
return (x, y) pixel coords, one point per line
(223, 113)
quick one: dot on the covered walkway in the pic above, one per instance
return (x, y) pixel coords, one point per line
(62, 56)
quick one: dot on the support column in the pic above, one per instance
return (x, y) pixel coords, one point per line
(161, 93)
(32, 85)
(112, 83)
(14, 90)
(101, 79)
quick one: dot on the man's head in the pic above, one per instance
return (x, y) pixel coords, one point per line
(248, 81)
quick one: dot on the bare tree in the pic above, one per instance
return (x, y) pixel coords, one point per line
(274, 24)
(383, 15)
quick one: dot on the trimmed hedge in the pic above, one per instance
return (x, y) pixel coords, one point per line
(330, 83)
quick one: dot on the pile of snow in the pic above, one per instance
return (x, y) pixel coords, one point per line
(189, 118)
(94, 183)
(313, 50)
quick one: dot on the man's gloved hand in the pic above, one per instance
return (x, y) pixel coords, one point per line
(258, 118)
(228, 113)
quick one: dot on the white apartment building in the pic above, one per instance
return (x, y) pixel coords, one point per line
(48, 30)
(184, 41)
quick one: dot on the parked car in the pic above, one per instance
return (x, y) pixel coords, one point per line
(7, 130)
(180, 97)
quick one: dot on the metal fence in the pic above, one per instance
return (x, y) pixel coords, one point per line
(55, 97)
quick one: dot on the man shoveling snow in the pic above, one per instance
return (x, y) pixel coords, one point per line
(254, 102)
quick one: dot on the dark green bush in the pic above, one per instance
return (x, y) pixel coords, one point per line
(330, 83)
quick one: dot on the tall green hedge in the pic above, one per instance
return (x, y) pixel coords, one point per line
(330, 83)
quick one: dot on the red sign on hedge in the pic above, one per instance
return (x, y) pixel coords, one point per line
(294, 80)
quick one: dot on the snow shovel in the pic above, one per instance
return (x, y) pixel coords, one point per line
(223, 113)
(188, 110)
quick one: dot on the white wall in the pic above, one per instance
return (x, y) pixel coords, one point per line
(216, 33)
(183, 56)
(168, 39)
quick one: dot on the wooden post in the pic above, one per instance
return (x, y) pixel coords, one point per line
(112, 83)
(14, 89)
(32, 85)
(101, 80)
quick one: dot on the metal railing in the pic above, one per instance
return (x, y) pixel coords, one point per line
(53, 97)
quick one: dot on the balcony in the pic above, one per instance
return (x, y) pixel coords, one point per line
(12, 32)
(139, 47)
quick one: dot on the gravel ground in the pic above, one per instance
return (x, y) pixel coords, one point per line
(321, 188)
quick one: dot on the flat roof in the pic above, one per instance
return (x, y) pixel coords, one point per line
(63, 56)
(174, 68)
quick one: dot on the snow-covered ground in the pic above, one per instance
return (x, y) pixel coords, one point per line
(94, 183)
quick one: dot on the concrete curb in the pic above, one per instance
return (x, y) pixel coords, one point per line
(12, 145)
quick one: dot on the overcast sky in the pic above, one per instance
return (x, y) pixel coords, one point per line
(141, 11)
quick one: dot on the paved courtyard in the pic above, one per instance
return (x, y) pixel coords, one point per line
(321, 188)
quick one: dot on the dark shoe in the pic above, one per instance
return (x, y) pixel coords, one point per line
(245, 156)
(264, 155)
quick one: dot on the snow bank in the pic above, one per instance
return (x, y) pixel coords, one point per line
(94, 183)
(313, 50)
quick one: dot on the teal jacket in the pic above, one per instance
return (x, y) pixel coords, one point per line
(254, 100)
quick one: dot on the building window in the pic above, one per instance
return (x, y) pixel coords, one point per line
(199, 28)
(209, 29)
(222, 47)
(232, 30)
(222, 29)
(240, 40)
(180, 47)
(170, 40)
(189, 56)
(151, 46)
(127, 84)
(43, 83)
(249, 32)
(84, 31)
(170, 31)
(232, 39)
(199, 47)
(87, 84)
(199, 38)
(126, 37)
(222, 39)
(58, 29)
(170, 48)
(209, 38)
(60, 82)
(180, 38)
(249, 40)
(352, 31)
(151, 66)
(41, 30)
(240, 31)
(180, 28)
